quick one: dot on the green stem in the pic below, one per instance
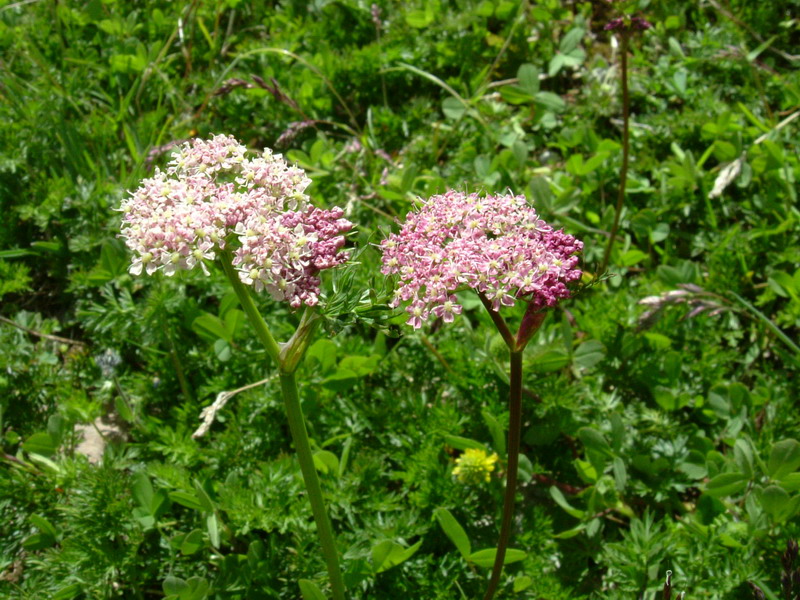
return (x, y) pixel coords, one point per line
(286, 365)
(250, 309)
(623, 175)
(514, 432)
(297, 427)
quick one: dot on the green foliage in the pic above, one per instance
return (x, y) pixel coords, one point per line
(659, 405)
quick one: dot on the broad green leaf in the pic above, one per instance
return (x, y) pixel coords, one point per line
(203, 497)
(211, 328)
(222, 350)
(420, 18)
(586, 470)
(462, 443)
(594, 440)
(620, 474)
(212, 526)
(547, 361)
(522, 583)
(326, 462)
(388, 554)
(632, 257)
(571, 40)
(186, 499)
(310, 590)
(40, 443)
(453, 108)
(589, 353)
(173, 585)
(784, 458)
(556, 494)
(743, 457)
(791, 482)
(528, 76)
(67, 592)
(514, 94)
(193, 542)
(496, 431)
(453, 530)
(123, 409)
(485, 558)
(777, 503)
(570, 533)
(142, 490)
(726, 484)
(323, 352)
(44, 526)
(38, 541)
(550, 101)
(197, 589)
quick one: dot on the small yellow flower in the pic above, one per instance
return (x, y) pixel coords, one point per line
(474, 466)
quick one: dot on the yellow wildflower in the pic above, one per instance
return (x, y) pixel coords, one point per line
(474, 466)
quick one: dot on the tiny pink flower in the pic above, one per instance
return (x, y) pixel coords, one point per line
(496, 245)
(213, 194)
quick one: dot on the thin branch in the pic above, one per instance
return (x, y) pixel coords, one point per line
(47, 336)
(209, 413)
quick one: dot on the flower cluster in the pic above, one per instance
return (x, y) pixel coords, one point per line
(213, 194)
(474, 466)
(496, 245)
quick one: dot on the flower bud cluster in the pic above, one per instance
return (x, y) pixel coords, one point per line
(213, 194)
(496, 245)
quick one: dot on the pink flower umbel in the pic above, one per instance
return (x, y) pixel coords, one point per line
(211, 195)
(496, 245)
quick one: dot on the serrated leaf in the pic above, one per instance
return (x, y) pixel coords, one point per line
(453, 530)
